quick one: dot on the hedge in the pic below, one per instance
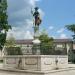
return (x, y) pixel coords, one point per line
(13, 51)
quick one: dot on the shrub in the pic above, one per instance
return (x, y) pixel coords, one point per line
(71, 56)
(1, 61)
(13, 51)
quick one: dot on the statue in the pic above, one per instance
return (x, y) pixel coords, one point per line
(37, 20)
(36, 15)
(36, 23)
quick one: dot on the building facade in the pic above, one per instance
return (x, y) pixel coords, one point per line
(63, 45)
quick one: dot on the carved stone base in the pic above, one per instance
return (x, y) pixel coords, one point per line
(36, 62)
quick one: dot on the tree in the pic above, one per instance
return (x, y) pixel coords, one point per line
(71, 28)
(10, 41)
(46, 45)
(71, 53)
(11, 48)
(4, 26)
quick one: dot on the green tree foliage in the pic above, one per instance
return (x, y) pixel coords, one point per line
(71, 28)
(10, 41)
(3, 22)
(14, 51)
(46, 45)
(71, 56)
(2, 40)
(11, 48)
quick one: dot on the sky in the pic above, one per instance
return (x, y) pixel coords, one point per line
(55, 14)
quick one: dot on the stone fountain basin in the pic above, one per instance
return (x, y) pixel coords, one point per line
(35, 62)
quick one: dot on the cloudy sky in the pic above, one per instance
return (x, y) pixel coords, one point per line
(20, 18)
(55, 15)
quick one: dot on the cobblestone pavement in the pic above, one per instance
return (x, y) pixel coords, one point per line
(8, 73)
(71, 72)
(56, 73)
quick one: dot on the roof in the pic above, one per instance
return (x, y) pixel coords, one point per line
(24, 41)
(62, 40)
(29, 41)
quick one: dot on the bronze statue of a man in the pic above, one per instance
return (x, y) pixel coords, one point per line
(37, 19)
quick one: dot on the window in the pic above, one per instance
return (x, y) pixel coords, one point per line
(60, 46)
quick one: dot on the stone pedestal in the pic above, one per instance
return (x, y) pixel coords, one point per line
(36, 44)
(36, 62)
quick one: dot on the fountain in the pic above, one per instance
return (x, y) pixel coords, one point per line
(36, 64)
